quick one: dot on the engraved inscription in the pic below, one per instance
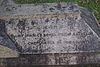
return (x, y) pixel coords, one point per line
(41, 36)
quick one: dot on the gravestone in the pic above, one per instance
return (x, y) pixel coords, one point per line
(49, 34)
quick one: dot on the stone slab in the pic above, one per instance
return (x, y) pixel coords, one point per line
(52, 28)
(48, 29)
(52, 59)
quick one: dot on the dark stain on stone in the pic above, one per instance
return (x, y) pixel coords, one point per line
(21, 24)
(34, 23)
(14, 8)
(76, 18)
(57, 20)
(47, 20)
(2, 34)
(11, 21)
(43, 30)
(19, 5)
(71, 8)
(8, 9)
(51, 9)
(64, 7)
(58, 6)
(2, 25)
(39, 35)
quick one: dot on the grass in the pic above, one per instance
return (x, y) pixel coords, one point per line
(93, 4)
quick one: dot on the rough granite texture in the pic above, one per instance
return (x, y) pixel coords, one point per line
(69, 40)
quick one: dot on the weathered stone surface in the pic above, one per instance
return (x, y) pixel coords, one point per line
(7, 53)
(53, 34)
(5, 39)
(7, 46)
(53, 59)
(64, 29)
(1, 1)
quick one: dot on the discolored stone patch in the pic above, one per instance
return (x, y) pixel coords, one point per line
(7, 53)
